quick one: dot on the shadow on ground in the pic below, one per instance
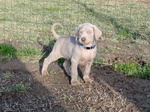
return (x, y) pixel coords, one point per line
(22, 89)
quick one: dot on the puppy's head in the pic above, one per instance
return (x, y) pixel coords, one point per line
(86, 33)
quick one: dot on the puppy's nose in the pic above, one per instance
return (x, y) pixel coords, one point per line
(83, 39)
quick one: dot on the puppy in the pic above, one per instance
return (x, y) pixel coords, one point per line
(78, 50)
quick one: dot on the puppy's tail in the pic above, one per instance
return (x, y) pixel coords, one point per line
(53, 30)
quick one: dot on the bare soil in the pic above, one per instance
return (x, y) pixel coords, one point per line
(111, 91)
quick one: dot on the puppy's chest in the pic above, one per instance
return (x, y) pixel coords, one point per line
(86, 56)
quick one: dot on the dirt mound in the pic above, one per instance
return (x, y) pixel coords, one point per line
(111, 91)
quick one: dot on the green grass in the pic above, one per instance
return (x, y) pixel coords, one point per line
(7, 49)
(8, 75)
(120, 19)
(133, 69)
(123, 34)
(21, 88)
(17, 88)
(4, 90)
(98, 61)
(7, 52)
(2, 19)
(67, 97)
(28, 51)
(10, 85)
(51, 72)
(33, 18)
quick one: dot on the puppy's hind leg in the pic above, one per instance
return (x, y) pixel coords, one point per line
(53, 56)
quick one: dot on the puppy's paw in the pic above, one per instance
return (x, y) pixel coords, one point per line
(44, 72)
(75, 83)
(87, 80)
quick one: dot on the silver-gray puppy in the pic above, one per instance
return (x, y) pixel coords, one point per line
(78, 50)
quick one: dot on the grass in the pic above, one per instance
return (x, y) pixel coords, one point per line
(17, 88)
(28, 51)
(7, 52)
(20, 87)
(123, 34)
(7, 49)
(67, 97)
(120, 19)
(4, 90)
(8, 75)
(133, 69)
(51, 72)
(98, 61)
(109, 49)
(9, 85)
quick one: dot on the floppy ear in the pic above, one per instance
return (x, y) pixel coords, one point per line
(77, 31)
(97, 32)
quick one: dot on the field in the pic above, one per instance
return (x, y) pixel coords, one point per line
(121, 70)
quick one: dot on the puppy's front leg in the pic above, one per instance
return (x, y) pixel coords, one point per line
(87, 72)
(74, 72)
(66, 65)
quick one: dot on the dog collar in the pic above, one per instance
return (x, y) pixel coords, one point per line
(88, 48)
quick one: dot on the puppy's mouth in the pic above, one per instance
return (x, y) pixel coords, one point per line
(85, 43)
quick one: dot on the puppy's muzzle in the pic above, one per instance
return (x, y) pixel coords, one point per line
(83, 39)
